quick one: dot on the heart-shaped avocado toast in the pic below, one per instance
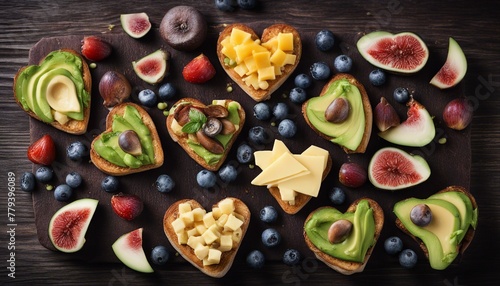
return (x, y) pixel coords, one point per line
(130, 143)
(259, 65)
(206, 132)
(209, 240)
(345, 241)
(57, 91)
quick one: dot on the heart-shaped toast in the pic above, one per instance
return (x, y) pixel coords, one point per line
(130, 143)
(209, 240)
(259, 66)
(349, 237)
(206, 132)
(57, 91)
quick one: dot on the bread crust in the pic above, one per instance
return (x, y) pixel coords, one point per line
(227, 258)
(182, 140)
(76, 127)
(114, 170)
(267, 34)
(366, 107)
(343, 266)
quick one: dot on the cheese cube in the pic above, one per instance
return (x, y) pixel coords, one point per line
(228, 50)
(184, 208)
(236, 236)
(278, 58)
(285, 41)
(200, 227)
(192, 232)
(242, 52)
(250, 65)
(182, 237)
(252, 80)
(241, 69)
(222, 220)
(214, 256)
(262, 59)
(198, 214)
(226, 206)
(271, 45)
(290, 59)
(215, 229)
(277, 70)
(201, 251)
(188, 218)
(239, 37)
(266, 73)
(226, 243)
(216, 212)
(178, 225)
(209, 237)
(233, 223)
(208, 219)
(194, 241)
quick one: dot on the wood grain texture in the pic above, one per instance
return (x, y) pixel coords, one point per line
(473, 24)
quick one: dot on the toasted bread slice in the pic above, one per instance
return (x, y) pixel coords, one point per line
(115, 170)
(343, 266)
(470, 232)
(267, 34)
(366, 107)
(227, 258)
(300, 199)
(182, 139)
(72, 126)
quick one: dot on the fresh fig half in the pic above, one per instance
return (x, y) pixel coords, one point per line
(128, 248)
(153, 67)
(69, 224)
(135, 25)
(400, 53)
(453, 70)
(416, 131)
(393, 169)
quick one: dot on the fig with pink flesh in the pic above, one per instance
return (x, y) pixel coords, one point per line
(153, 67)
(400, 53)
(135, 25)
(128, 249)
(393, 169)
(453, 70)
(68, 226)
(416, 131)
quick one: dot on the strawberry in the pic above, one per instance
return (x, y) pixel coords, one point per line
(198, 70)
(95, 49)
(42, 151)
(126, 206)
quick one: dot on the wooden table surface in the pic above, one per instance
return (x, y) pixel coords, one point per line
(474, 24)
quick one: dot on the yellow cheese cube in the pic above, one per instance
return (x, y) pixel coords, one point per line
(188, 218)
(236, 236)
(216, 212)
(227, 206)
(192, 232)
(233, 223)
(214, 256)
(262, 59)
(242, 52)
(222, 220)
(182, 237)
(209, 237)
(201, 251)
(290, 59)
(250, 65)
(285, 41)
(266, 73)
(241, 69)
(277, 70)
(215, 229)
(271, 45)
(226, 242)
(252, 80)
(194, 241)
(200, 227)
(184, 208)
(278, 58)
(208, 219)
(228, 51)
(239, 37)
(178, 225)
(198, 214)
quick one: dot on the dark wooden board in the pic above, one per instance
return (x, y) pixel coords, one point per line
(450, 162)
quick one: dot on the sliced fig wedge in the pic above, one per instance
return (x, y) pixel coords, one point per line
(135, 25)
(153, 67)
(416, 131)
(393, 169)
(453, 70)
(401, 53)
(128, 249)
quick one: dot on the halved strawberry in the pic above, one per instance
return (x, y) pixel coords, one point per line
(199, 70)
(95, 49)
(126, 206)
(42, 151)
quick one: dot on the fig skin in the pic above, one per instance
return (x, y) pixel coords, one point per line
(184, 28)
(114, 88)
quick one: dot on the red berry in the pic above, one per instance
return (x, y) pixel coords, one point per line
(95, 49)
(352, 175)
(199, 70)
(126, 206)
(42, 151)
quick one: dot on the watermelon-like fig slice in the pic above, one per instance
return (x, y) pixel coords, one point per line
(69, 224)
(153, 67)
(392, 169)
(404, 53)
(136, 25)
(128, 248)
(453, 70)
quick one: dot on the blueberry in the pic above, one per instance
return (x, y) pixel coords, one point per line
(298, 95)
(206, 179)
(73, 180)
(110, 184)
(255, 259)
(28, 182)
(287, 128)
(393, 245)
(408, 258)
(147, 97)
(280, 111)
(247, 4)
(166, 91)
(268, 214)
(159, 255)
(303, 81)
(377, 77)
(324, 40)
(258, 135)
(291, 257)
(76, 151)
(401, 95)
(271, 237)
(225, 5)
(228, 173)
(320, 71)
(244, 153)
(337, 196)
(343, 63)
(44, 174)
(164, 183)
(262, 111)
(63, 193)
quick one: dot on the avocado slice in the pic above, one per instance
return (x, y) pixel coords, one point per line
(441, 236)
